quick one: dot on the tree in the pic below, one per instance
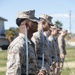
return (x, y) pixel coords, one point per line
(59, 24)
(12, 33)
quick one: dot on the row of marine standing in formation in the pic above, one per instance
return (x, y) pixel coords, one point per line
(39, 48)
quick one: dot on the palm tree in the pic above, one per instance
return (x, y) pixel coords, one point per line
(12, 33)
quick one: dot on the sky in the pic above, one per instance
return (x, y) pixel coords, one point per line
(58, 9)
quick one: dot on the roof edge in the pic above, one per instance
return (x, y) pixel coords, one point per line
(3, 19)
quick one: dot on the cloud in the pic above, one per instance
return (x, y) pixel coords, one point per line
(65, 15)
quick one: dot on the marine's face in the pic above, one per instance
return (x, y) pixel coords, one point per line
(33, 26)
(47, 26)
(30, 25)
(64, 33)
(22, 25)
(55, 31)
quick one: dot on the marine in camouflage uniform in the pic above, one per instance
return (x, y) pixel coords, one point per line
(62, 48)
(16, 59)
(38, 42)
(54, 45)
(37, 39)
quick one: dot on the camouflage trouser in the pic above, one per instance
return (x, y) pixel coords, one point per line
(57, 69)
(61, 65)
(52, 66)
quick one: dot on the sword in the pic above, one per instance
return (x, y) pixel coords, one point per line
(43, 68)
(26, 50)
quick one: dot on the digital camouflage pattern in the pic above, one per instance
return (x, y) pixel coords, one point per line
(62, 48)
(54, 47)
(62, 45)
(16, 60)
(37, 39)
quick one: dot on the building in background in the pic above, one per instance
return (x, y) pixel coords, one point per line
(3, 40)
(71, 42)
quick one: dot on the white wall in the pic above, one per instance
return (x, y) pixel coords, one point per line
(71, 43)
(2, 30)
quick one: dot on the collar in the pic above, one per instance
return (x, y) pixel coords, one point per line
(24, 36)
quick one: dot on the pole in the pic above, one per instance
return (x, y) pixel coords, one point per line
(70, 21)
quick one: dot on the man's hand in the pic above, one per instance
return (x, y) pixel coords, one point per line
(40, 26)
(42, 72)
(57, 64)
(51, 68)
(62, 56)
